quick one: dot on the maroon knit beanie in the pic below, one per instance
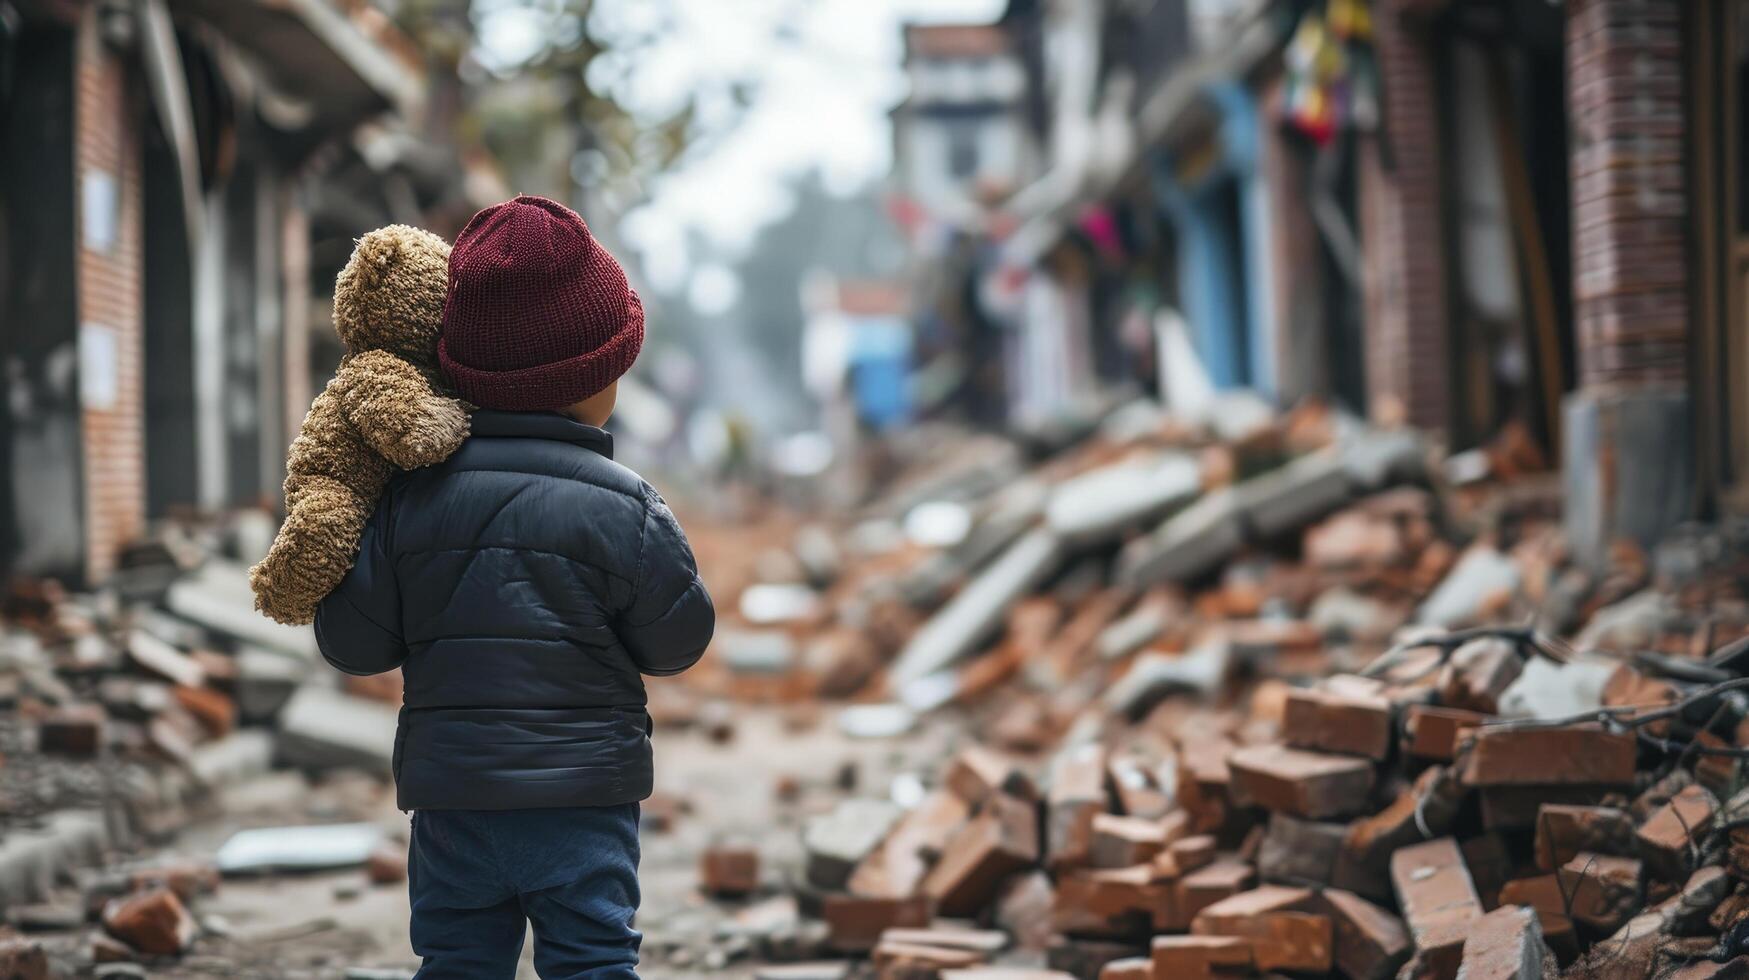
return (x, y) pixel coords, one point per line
(538, 316)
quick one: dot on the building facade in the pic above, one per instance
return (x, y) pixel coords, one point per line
(179, 181)
(1453, 214)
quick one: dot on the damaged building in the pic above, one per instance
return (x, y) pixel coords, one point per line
(1455, 214)
(179, 182)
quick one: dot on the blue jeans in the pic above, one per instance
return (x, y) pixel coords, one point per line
(477, 877)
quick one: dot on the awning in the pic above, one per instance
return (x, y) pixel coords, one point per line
(311, 52)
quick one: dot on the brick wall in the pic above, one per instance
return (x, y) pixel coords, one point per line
(1402, 233)
(1625, 98)
(1296, 261)
(109, 297)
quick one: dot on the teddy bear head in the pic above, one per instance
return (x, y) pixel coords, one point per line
(390, 294)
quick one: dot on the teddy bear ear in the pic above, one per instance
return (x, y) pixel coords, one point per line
(379, 255)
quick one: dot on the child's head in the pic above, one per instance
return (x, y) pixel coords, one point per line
(538, 317)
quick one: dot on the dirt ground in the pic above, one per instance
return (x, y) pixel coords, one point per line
(324, 925)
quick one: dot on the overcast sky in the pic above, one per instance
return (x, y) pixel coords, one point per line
(827, 71)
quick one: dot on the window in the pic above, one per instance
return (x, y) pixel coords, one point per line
(962, 148)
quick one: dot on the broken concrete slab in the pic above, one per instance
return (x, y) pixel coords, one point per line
(769, 652)
(266, 680)
(1154, 675)
(1292, 496)
(322, 728)
(1100, 505)
(1507, 944)
(837, 842)
(157, 657)
(975, 613)
(1482, 579)
(774, 603)
(1190, 544)
(298, 848)
(1377, 458)
(31, 859)
(217, 596)
(1550, 690)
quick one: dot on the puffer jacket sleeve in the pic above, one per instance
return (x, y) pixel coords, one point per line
(358, 626)
(669, 621)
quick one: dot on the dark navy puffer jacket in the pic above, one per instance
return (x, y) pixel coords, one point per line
(522, 586)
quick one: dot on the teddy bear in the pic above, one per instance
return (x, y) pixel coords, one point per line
(387, 407)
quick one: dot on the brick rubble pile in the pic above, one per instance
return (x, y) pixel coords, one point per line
(1262, 697)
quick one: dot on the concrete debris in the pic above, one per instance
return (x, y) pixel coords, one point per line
(1191, 544)
(298, 848)
(975, 613)
(1482, 583)
(1154, 734)
(837, 842)
(1099, 506)
(321, 728)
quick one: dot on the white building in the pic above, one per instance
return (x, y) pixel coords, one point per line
(960, 137)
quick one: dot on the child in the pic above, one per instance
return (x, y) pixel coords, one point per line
(523, 586)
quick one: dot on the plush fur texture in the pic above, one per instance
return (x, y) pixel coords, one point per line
(387, 407)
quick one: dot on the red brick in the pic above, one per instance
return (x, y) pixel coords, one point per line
(1603, 892)
(729, 870)
(188, 879)
(1348, 724)
(1564, 830)
(1275, 920)
(1628, 687)
(905, 960)
(1370, 943)
(855, 924)
(1438, 899)
(1139, 793)
(1198, 957)
(1120, 842)
(215, 712)
(999, 841)
(1081, 956)
(1306, 784)
(1185, 855)
(1670, 835)
(1580, 754)
(1509, 808)
(76, 729)
(1115, 902)
(1133, 968)
(1543, 893)
(977, 772)
(1077, 794)
(897, 867)
(387, 864)
(1198, 890)
(152, 921)
(1478, 673)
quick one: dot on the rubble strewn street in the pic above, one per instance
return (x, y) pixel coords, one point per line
(1153, 701)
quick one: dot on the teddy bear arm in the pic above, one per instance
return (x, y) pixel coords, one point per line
(396, 412)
